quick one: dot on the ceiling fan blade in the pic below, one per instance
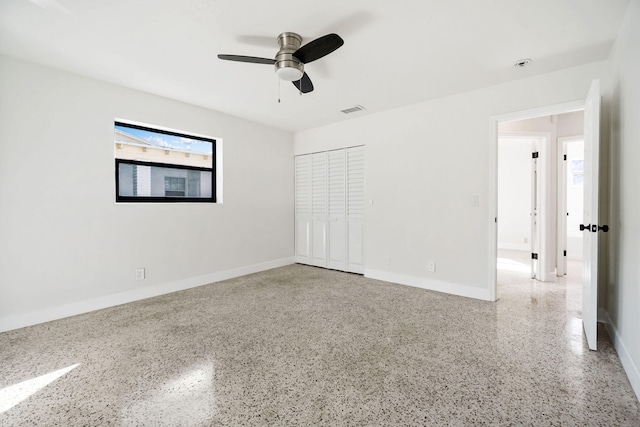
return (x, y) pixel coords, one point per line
(251, 59)
(318, 48)
(305, 82)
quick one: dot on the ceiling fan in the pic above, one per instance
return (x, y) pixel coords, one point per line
(291, 58)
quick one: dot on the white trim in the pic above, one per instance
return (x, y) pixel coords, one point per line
(573, 138)
(547, 217)
(633, 373)
(432, 285)
(16, 321)
(493, 209)
(524, 135)
(567, 107)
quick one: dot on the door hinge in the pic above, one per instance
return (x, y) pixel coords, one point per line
(565, 157)
(534, 256)
(534, 155)
(565, 253)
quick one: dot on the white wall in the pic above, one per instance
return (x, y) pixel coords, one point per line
(66, 247)
(423, 165)
(514, 193)
(623, 294)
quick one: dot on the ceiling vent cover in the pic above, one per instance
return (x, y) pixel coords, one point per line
(353, 109)
(521, 63)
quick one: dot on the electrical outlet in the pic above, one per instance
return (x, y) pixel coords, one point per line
(431, 266)
(140, 274)
(475, 201)
(526, 240)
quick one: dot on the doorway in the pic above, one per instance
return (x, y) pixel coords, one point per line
(551, 122)
(570, 200)
(591, 206)
(522, 195)
(534, 157)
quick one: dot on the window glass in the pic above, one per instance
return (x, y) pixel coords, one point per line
(156, 165)
(577, 172)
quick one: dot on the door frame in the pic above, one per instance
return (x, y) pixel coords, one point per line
(493, 175)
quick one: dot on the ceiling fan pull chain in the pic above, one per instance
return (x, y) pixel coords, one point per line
(278, 91)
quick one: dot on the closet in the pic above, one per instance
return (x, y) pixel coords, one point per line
(329, 209)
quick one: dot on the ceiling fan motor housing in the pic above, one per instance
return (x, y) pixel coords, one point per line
(288, 67)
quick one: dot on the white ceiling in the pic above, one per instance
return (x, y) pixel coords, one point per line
(395, 53)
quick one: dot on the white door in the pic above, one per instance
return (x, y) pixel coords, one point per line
(337, 210)
(319, 209)
(543, 228)
(535, 210)
(303, 209)
(355, 210)
(590, 218)
(570, 200)
(561, 253)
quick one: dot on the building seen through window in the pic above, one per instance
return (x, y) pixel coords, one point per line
(154, 165)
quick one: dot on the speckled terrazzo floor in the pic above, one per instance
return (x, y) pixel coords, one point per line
(304, 346)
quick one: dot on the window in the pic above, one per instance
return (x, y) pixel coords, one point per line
(174, 186)
(577, 172)
(157, 165)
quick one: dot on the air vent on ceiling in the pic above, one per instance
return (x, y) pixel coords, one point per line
(353, 109)
(521, 63)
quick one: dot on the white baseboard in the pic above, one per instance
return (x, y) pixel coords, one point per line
(16, 321)
(633, 373)
(432, 285)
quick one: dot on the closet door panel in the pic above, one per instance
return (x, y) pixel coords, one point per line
(319, 209)
(303, 239)
(303, 209)
(337, 209)
(356, 248)
(355, 209)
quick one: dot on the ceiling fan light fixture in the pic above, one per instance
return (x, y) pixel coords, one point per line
(289, 74)
(288, 67)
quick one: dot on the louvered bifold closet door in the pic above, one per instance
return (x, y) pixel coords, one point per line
(319, 209)
(303, 209)
(355, 209)
(337, 210)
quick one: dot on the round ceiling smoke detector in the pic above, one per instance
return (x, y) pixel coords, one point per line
(521, 63)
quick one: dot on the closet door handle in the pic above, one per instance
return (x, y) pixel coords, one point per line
(585, 227)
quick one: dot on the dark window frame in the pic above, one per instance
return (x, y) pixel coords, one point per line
(167, 199)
